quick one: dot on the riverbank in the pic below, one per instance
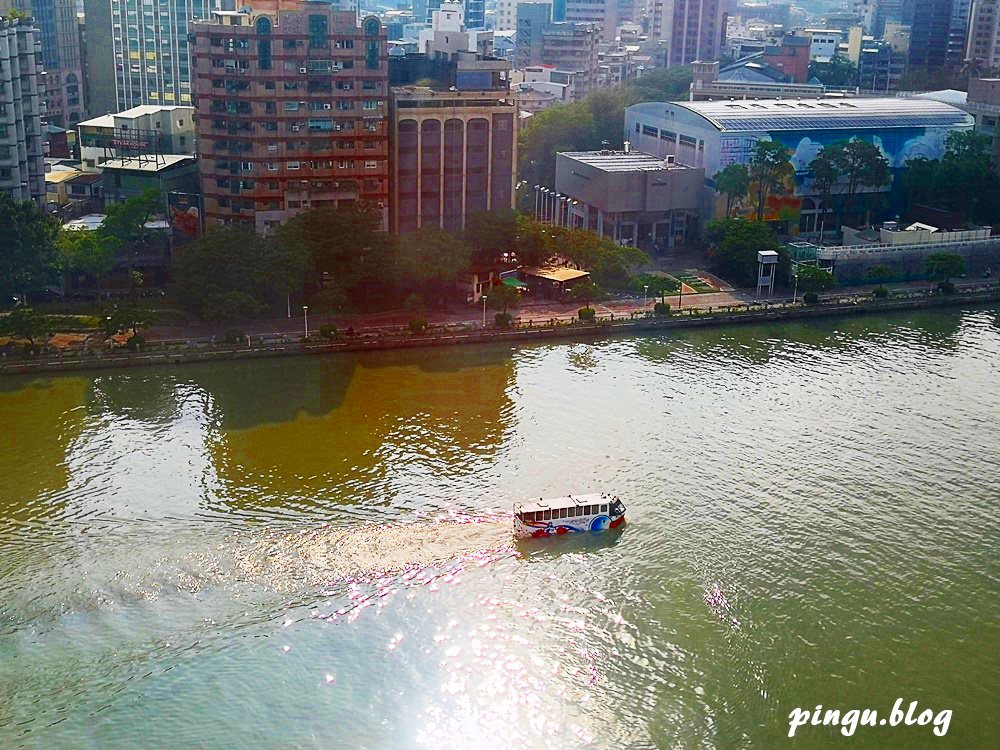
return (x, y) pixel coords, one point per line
(165, 353)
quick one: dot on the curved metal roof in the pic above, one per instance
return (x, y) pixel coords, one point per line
(821, 114)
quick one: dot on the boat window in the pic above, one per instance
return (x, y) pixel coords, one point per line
(592, 510)
(564, 513)
(547, 515)
(528, 517)
(604, 509)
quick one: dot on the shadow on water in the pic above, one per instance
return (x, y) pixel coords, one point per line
(549, 548)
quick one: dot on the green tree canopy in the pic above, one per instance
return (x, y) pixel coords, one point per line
(501, 297)
(861, 164)
(88, 253)
(431, 261)
(973, 186)
(838, 71)
(734, 244)
(769, 166)
(26, 323)
(129, 317)
(586, 292)
(814, 279)
(234, 272)
(733, 182)
(28, 258)
(490, 234)
(942, 266)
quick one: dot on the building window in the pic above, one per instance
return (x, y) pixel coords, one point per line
(317, 31)
(371, 164)
(264, 43)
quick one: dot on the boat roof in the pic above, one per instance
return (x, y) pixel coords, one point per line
(570, 501)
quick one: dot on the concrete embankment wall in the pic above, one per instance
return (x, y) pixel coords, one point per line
(520, 335)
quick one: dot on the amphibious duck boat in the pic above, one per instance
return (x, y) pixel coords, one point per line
(573, 513)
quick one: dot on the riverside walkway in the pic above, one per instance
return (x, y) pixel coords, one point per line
(531, 328)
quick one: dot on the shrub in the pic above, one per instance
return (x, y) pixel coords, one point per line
(586, 313)
(328, 331)
(661, 308)
(135, 343)
(810, 298)
(946, 287)
(234, 336)
(880, 292)
(418, 325)
(503, 320)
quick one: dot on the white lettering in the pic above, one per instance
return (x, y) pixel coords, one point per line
(941, 722)
(850, 722)
(797, 718)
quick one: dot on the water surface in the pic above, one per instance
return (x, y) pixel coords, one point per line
(312, 552)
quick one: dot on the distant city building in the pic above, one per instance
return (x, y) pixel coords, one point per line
(983, 103)
(146, 130)
(615, 66)
(643, 200)
(60, 34)
(608, 14)
(880, 68)
(693, 29)
(748, 84)
(131, 177)
(983, 47)
(532, 19)
(930, 26)
(291, 112)
(565, 85)
(776, 13)
(573, 47)
(140, 52)
(453, 141)
(22, 149)
(822, 43)
(474, 12)
(958, 31)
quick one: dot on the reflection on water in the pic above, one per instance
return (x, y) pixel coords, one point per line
(316, 552)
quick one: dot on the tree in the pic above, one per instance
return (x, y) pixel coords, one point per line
(232, 272)
(837, 72)
(942, 266)
(769, 167)
(814, 279)
(826, 174)
(28, 260)
(656, 285)
(501, 297)
(585, 291)
(25, 323)
(344, 249)
(878, 274)
(491, 234)
(130, 317)
(734, 183)
(534, 244)
(431, 260)
(960, 145)
(734, 244)
(90, 253)
(862, 164)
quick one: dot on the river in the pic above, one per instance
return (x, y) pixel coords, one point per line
(314, 552)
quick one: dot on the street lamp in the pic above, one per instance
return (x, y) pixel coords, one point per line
(484, 311)
(795, 291)
(305, 315)
(645, 290)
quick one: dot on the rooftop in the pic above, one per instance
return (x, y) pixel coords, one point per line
(108, 120)
(621, 161)
(816, 114)
(147, 164)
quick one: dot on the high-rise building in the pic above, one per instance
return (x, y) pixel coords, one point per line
(22, 150)
(60, 33)
(532, 18)
(958, 31)
(693, 29)
(142, 48)
(573, 47)
(291, 104)
(454, 138)
(608, 14)
(983, 47)
(930, 23)
(474, 12)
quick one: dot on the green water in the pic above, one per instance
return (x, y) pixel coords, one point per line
(837, 480)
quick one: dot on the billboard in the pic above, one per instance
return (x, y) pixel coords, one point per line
(184, 212)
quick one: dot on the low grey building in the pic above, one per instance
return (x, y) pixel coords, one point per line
(628, 196)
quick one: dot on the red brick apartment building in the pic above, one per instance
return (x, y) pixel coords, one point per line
(292, 104)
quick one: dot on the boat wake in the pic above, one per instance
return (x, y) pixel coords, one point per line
(326, 555)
